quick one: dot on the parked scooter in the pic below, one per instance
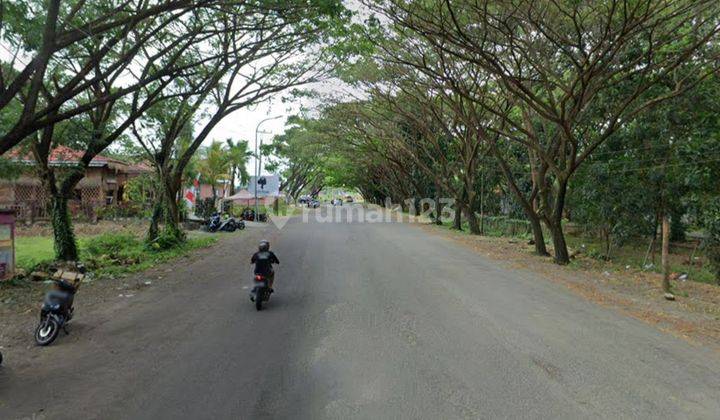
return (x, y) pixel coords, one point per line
(216, 223)
(230, 225)
(57, 310)
(260, 292)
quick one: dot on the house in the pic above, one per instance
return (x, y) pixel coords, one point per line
(102, 185)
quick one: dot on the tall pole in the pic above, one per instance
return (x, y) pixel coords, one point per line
(258, 162)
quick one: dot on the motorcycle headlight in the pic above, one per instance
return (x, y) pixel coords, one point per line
(54, 306)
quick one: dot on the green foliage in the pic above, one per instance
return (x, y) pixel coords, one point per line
(205, 207)
(238, 154)
(33, 251)
(141, 189)
(214, 164)
(117, 254)
(712, 243)
(123, 210)
(65, 244)
(10, 170)
(114, 245)
(167, 239)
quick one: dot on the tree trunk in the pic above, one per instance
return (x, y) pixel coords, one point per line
(554, 223)
(172, 214)
(154, 229)
(562, 256)
(65, 244)
(438, 210)
(608, 243)
(538, 236)
(167, 210)
(654, 236)
(527, 207)
(472, 220)
(666, 252)
(457, 221)
(232, 179)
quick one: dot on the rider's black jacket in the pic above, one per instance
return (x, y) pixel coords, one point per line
(263, 261)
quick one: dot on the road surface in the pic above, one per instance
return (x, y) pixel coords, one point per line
(370, 321)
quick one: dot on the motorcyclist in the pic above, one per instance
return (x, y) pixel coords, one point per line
(263, 260)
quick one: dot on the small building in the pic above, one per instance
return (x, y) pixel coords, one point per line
(102, 185)
(245, 198)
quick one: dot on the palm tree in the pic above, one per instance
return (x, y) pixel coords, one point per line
(238, 155)
(214, 165)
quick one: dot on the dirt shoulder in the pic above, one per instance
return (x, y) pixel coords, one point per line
(694, 315)
(19, 306)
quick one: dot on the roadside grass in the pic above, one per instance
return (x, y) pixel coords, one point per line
(629, 256)
(31, 251)
(108, 254)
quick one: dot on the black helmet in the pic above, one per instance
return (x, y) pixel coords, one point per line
(264, 245)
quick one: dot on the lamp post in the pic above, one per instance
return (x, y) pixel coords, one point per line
(258, 161)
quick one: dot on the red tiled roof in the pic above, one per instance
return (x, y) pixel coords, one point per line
(64, 155)
(140, 167)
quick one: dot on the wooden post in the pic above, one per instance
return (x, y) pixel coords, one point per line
(666, 252)
(482, 202)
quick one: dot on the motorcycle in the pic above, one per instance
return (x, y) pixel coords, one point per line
(261, 291)
(228, 225)
(57, 310)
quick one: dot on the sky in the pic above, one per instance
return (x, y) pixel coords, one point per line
(242, 124)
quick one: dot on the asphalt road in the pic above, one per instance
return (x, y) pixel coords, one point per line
(370, 321)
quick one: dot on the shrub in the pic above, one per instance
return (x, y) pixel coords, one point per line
(712, 243)
(110, 248)
(204, 208)
(167, 239)
(123, 210)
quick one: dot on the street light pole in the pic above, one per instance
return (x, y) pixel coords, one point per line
(257, 161)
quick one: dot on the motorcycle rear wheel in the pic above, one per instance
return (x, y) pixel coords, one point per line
(47, 332)
(258, 300)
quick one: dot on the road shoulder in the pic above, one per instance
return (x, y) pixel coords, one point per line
(693, 316)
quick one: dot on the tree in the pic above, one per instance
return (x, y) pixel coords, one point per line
(118, 30)
(214, 165)
(238, 155)
(554, 82)
(259, 45)
(102, 123)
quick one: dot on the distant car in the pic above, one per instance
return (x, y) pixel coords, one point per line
(304, 199)
(349, 199)
(313, 204)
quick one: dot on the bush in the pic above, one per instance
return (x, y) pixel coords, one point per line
(110, 248)
(168, 239)
(123, 210)
(117, 254)
(227, 207)
(204, 208)
(712, 244)
(504, 226)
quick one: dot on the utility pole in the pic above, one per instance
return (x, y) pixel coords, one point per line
(258, 162)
